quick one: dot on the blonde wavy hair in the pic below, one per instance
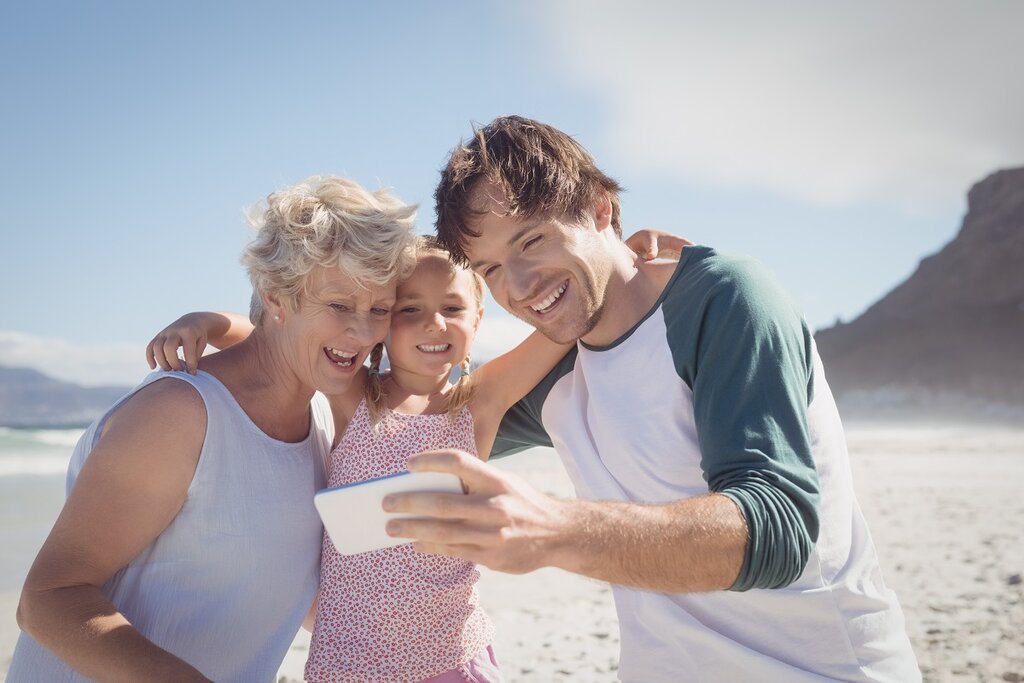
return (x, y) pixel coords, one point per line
(462, 392)
(332, 222)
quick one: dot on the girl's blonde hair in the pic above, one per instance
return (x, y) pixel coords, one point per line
(461, 394)
(332, 222)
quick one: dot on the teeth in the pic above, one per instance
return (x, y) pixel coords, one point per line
(346, 358)
(433, 348)
(546, 304)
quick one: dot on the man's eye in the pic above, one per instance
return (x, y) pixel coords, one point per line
(490, 270)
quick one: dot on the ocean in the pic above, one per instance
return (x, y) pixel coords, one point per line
(33, 465)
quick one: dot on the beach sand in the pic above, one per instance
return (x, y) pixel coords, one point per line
(946, 513)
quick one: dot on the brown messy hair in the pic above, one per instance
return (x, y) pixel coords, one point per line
(540, 171)
(462, 392)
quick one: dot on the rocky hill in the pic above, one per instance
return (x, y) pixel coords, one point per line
(950, 339)
(28, 398)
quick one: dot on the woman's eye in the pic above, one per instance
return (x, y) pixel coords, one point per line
(380, 311)
(453, 309)
(339, 307)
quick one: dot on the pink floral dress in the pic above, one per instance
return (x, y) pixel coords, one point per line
(394, 614)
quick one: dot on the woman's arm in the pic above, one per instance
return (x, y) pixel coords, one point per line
(130, 488)
(192, 332)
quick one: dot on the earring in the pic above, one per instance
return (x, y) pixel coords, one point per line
(277, 317)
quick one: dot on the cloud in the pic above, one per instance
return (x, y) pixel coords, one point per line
(114, 364)
(835, 103)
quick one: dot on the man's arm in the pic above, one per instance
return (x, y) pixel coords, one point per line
(745, 352)
(505, 524)
(130, 488)
(747, 364)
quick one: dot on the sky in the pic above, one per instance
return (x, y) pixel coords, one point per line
(834, 142)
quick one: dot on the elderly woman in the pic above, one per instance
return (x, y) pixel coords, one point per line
(189, 548)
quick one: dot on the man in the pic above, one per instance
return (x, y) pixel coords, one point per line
(694, 420)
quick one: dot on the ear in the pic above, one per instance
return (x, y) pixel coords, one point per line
(479, 317)
(272, 306)
(603, 211)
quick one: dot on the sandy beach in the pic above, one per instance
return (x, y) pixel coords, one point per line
(946, 514)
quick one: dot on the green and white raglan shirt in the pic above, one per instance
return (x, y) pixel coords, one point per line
(719, 388)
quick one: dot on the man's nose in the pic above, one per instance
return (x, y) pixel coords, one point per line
(520, 282)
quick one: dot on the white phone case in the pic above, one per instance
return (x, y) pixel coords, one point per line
(352, 514)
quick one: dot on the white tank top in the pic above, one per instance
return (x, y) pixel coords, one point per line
(227, 585)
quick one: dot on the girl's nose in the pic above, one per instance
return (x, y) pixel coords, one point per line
(436, 322)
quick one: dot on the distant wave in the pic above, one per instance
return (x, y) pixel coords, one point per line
(47, 437)
(37, 465)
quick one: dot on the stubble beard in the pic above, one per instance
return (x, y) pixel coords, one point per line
(574, 330)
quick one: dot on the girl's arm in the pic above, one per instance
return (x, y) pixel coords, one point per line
(501, 382)
(649, 243)
(192, 332)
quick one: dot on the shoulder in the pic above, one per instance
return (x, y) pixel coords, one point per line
(706, 272)
(173, 397)
(167, 414)
(719, 303)
(711, 288)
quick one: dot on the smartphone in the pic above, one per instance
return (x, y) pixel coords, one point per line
(353, 516)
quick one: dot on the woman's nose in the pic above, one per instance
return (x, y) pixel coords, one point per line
(362, 331)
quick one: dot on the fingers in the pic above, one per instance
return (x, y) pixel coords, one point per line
(475, 475)
(483, 509)
(441, 532)
(150, 359)
(162, 351)
(644, 243)
(171, 353)
(193, 352)
(156, 352)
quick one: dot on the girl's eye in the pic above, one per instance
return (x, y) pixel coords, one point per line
(453, 309)
(409, 309)
(530, 242)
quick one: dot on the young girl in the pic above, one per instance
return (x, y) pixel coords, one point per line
(396, 614)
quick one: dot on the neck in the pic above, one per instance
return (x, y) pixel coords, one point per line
(632, 288)
(410, 392)
(256, 366)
